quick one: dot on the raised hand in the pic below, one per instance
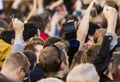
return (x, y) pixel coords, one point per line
(110, 14)
(18, 26)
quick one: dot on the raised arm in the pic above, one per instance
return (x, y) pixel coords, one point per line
(33, 11)
(84, 26)
(19, 42)
(109, 41)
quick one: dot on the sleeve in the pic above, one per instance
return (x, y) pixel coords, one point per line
(103, 58)
(18, 45)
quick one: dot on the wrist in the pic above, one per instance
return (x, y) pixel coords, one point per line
(112, 24)
(19, 35)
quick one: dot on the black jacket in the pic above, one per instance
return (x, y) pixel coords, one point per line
(103, 58)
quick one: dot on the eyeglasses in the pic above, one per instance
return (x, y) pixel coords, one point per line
(26, 73)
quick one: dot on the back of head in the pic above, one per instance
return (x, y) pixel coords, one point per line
(98, 36)
(51, 40)
(50, 79)
(83, 73)
(3, 24)
(30, 30)
(7, 35)
(30, 45)
(31, 57)
(15, 60)
(50, 59)
(38, 21)
(71, 17)
(90, 53)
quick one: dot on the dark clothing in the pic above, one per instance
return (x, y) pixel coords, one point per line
(74, 45)
(4, 79)
(35, 74)
(103, 58)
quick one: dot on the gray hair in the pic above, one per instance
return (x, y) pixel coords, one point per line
(83, 73)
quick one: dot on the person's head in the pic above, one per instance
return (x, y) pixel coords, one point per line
(50, 79)
(83, 73)
(115, 60)
(90, 53)
(8, 36)
(30, 30)
(31, 57)
(38, 21)
(51, 40)
(53, 60)
(71, 17)
(34, 44)
(98, 36)
(16, 66)
(3, 25)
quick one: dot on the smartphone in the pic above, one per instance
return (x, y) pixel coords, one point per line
(69, 30)
(1, 5)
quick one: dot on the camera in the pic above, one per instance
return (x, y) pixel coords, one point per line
(69, 29)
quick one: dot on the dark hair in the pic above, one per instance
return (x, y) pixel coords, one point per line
(71, 17)
(48, 2)
(31, 57)
(92, 29)
(30, 30)
(3, 24)
(51, 40)
(7, 35)
(38, 21)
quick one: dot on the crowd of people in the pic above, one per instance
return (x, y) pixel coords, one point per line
(60, 41)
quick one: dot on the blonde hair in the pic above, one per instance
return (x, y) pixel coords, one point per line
(98, 36)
